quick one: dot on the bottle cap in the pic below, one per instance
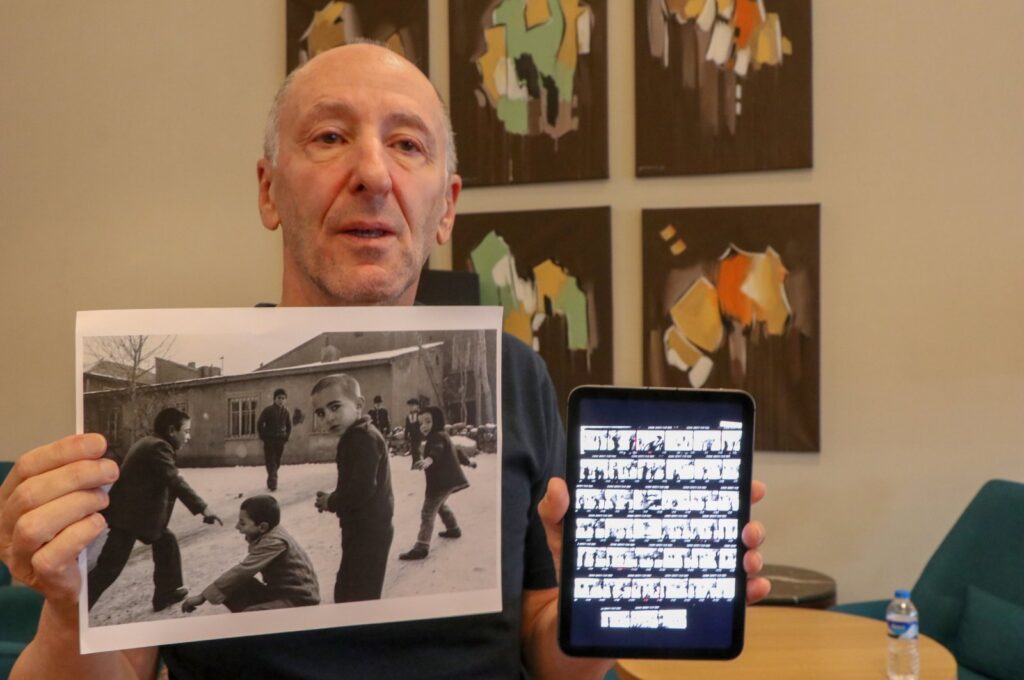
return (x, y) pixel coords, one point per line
(903, 594)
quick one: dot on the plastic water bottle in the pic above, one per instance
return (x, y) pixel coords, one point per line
(901, 620)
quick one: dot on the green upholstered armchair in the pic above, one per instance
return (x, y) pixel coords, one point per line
(19, 611)
(971, 593)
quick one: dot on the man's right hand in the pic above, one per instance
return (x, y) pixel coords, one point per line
(49, 513)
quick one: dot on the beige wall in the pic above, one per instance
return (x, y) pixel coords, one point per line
(129, 131)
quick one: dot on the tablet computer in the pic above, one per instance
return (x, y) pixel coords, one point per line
(659, 487)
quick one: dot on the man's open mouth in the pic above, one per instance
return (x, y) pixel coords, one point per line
(366, 233)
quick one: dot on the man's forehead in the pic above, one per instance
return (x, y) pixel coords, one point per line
(347, 74)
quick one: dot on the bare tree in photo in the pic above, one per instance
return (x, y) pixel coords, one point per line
(132, 355)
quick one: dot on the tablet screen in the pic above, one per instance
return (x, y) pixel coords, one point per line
(659, 490)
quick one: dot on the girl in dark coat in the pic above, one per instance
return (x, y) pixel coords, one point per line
(444, 477)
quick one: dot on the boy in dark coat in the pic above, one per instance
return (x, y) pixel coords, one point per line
(288, 576)
(363, 500)
(140, 507)
(412, 429)
(444, 477)
(274, 427)
(379, 416)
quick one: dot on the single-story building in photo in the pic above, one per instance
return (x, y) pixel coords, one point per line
(437, 367)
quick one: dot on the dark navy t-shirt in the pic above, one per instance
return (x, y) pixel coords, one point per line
(479, 646)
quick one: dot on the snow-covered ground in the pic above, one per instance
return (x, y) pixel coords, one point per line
(467, 563)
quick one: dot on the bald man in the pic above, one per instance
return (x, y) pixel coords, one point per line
(358, 174)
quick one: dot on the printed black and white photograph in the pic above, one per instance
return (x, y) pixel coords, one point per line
(290, 469)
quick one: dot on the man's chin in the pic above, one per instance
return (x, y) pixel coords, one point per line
(370, 288)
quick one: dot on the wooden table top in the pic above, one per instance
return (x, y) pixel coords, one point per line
(790, 642)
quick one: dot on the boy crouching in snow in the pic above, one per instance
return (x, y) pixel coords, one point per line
(288, 576)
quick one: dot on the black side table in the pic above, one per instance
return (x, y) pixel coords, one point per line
(796, 587)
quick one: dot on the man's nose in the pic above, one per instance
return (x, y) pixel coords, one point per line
(370, 173)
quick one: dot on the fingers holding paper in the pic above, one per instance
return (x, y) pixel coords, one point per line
(49, 512)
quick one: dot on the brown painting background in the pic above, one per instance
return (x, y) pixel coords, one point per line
(783, 372)
(374, 16)
(490, 156)
(577, 239)
(773, 132)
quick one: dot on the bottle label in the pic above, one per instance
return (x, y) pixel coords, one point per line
(905, 630)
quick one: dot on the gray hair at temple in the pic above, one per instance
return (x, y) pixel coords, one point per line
(270, 132)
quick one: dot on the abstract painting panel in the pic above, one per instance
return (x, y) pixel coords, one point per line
(731, 300)
(722, 86)
(314, 26)
(529, 90)
(551, 272)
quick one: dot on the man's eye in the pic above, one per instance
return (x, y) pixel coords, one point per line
(329, 138)
(408, 146)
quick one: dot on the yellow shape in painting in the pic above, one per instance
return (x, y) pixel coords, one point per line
(489, 60)
(787, 47)
(537, 13)
(550, 279)
(769, 42)
(517, 323)
(326, 31)
(697, 316)
(675, 342)
(667, 233)
(394, 43)
(764, 286)
(569, 48)
(678, 247)
(693, 8)
(684, 9)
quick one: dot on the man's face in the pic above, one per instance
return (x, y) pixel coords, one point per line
(414, 409)
(280, 399)
(337, 409)
(359, 185)
(178, 438)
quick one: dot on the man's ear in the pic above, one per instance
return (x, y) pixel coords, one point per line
(264, 527)
(268, 210)
(444, 230)
(359, 403)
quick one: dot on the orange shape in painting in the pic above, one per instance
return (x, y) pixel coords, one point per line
(678, 247)
(517, 323)
(550, 280)
(537, 12)
(764, 286)
(488, 61)
(746, 21)
(732, 272)
(667, 233)
(696, 315)
(676, 342)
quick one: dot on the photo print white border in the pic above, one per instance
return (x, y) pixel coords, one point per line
(261, 323)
